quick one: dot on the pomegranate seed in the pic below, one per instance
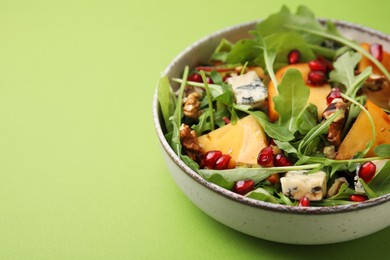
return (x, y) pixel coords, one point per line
(226, 120)
(243, 187)
(265, 156)
(281, 160)
(317, 65)
(222, 162)
(198, 78)
(334, 93)
(304, 202)
(367, 171)
(329, 65)
(317, 78)
(376, 50)
(358, 197)
(195, 77)
(211, 158)
(294, 56)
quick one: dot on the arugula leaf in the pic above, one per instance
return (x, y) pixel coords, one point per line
(263, 195)
(216, 77)
(175, 119)
(191, 163)
(286, 200)
(242, 51)
(209, 99)
(381, 182)
(220, 53)
(307, 119)
(282, 43)
(256, 174)
(167, 101)
(292, 98)
(370, 193)
(275, 23)
(315, 132)
(269, 56)
(286, 146)
(343, 193)
(344, 72)
(382, 150)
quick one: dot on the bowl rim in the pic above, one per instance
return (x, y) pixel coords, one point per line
(219, 191)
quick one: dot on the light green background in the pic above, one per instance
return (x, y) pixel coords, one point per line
(81, 173)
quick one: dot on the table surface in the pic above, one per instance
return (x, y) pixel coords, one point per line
(81, 172)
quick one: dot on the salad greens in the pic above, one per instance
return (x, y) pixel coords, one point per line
(298, 132)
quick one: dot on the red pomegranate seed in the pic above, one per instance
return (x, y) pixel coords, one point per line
(358, 197)
(243, 187)
(195, 77)
(367, 171)
(226, 120)
(317, 78)
(222, 162)
(317, 65)
(376, 50)
(334, 93)
(304, 202)
(209, 80)
(281, 160)
(294, 56)
(265, 156)
(329, 65)
(211, 158)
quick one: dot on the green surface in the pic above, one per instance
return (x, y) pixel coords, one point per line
(81, 173)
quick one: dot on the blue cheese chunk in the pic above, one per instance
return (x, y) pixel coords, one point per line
(296, 184)
(249, 90)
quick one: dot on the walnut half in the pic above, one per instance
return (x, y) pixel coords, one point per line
(190, 143)
(191, 105)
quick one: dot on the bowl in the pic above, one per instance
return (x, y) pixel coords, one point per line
(273, 222)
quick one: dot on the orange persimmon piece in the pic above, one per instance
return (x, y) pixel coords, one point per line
(360, 133)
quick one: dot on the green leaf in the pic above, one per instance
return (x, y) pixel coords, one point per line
(382, 150)
(292, 98)
(275, 23)
(370, 193)
(282, 43)
(175, 119)
(307, 119)
(191, 163)
(222, 50)
(263, 195)
(166, 100)
(343, 193)
(242, 51)
(256, 174)
(317, 131)
(344, 72)
(381, 182)
(286, 146)
(344, 68)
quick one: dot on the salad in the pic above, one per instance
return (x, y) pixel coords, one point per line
(295, 114)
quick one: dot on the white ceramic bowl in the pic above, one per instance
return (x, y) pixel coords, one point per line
(286, 224)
